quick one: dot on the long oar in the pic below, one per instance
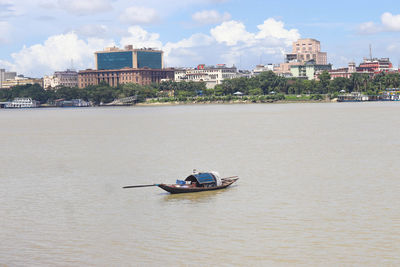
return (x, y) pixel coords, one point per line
(231, 177)
(136, 186)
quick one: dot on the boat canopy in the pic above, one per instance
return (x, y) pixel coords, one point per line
(205, 178)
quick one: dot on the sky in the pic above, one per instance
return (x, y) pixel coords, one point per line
(38, 37)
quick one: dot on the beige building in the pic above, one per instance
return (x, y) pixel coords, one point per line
(303, 50)
(20, 80)
(308, 49)
(68, 78)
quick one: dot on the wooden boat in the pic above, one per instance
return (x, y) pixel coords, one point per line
(196, 182)
(191, 188)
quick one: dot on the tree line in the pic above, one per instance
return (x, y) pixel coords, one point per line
(267, 84)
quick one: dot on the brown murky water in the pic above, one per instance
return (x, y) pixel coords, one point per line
(319, 186)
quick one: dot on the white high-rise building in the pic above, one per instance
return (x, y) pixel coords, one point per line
(68, 78)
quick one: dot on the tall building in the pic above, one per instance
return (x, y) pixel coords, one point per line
(115, 66)
(68, 78)
(114, 58)
(211, 75)
(303, 50)
(6, 75)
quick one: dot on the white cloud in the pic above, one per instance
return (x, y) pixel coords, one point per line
(389, 23)
(272, 40)
(369, 28)
(228, 43)
(271, 32)
(231, 43)
(139, 15)
(188, 51)
(198, 39)
(56, 53)
(84, 7)
(275, 29)
(210, 17)
(231, 33)
(139, 38)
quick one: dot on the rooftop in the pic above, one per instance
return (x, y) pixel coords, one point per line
(128, 48)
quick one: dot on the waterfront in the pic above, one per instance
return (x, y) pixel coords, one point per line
(319, 185)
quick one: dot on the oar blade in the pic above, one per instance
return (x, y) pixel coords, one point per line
(137, 186)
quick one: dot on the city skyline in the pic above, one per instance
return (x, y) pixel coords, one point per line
(42, 36)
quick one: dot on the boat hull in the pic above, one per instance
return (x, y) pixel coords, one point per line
(176, 189)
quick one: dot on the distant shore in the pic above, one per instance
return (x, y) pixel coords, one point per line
(176, 103)
(155, 103)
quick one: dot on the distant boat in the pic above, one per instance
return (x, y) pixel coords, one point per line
(23, 102)
(353, 97)
(196, 182)
(72, 103)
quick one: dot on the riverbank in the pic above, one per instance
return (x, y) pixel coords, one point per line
(200, 101)
(175, 103)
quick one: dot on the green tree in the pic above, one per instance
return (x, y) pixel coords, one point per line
(356, 81)
(339, 84)
(255, 91)
(101, 93)
(324, 81)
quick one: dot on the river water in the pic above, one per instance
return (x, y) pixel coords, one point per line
(319, 185)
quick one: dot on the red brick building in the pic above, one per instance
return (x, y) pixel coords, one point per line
(368, 66)
(377, 64)
(144, 76)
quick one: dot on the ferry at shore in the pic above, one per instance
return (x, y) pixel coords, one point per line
(390, 94)
(72, 103)
(353, 97)
(22, 102)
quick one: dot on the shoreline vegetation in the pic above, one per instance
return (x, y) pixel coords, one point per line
(285, 99)
(266, 87)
